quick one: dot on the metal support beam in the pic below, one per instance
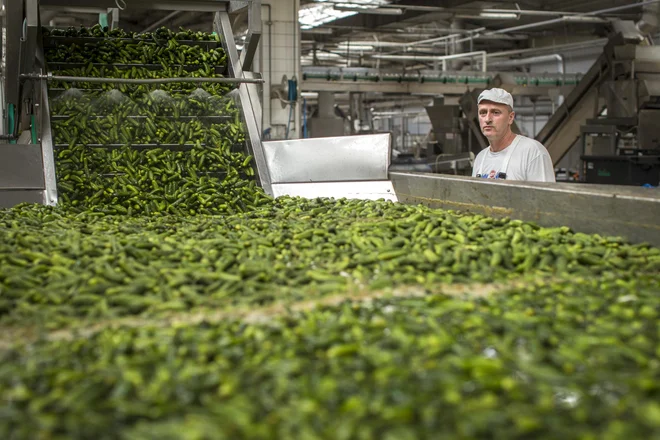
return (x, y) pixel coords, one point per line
(161, 5)
(14, 33)
(47, 153)
(249, 101)
(253, 36)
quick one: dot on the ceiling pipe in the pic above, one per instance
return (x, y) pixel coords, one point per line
(476, 33)
(566, 46)
(512, 16)
(562, 19)
(443, 58)
(341, 4)
(533, 60)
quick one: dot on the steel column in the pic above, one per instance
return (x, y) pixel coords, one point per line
(250, 104)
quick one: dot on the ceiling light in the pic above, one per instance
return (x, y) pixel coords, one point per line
(356, 48)
(502, 15)
(367, 10)
(314, 14)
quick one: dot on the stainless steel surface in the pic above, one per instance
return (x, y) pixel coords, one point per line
(21, 167)
(141, 81)
(48, 156)
(11, 198)
(646, 58)
(250, 103)
(648, 91)
(166, 5)
(366, 190)
(14, 32)
(633, 213)
(648, 129)
(344, 158)
(562, 129)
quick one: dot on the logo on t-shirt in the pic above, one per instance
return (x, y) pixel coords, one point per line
(493, 175)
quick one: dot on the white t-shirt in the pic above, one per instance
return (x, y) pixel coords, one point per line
(523, 159)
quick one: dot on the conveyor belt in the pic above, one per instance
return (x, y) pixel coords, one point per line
(632, 213)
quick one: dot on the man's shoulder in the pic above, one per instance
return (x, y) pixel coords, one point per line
(483, 152)
(532, 145)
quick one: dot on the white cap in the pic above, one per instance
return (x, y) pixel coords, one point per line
(500, 96)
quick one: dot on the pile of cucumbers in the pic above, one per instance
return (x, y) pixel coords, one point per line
(168, 297)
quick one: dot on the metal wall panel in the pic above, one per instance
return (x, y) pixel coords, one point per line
(342, 158)
(9, 199)
(21, 167)
(374, 190)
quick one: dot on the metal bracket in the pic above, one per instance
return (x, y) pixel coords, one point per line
(14, 32)
(28, 47)
(113, 18)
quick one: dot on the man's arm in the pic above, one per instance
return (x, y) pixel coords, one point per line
(540, 169)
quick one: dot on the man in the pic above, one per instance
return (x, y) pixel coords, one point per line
(509, 156)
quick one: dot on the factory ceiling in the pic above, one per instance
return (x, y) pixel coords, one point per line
(359, 32)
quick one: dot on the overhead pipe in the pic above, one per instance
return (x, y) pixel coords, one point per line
(536, 60)
(440, 9)
(513, 16)
(533, 60)
(567, 46)
(562, 19)
(97, 80)
(443, 58)
(476, 33)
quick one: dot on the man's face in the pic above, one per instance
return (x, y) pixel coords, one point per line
(494, 119)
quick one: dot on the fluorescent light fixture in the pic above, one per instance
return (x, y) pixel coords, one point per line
(368, 10)
(322, 56)
(345, 45)
(502, 15)
(322, 11)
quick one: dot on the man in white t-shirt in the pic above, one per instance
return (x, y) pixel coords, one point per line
(509, 156)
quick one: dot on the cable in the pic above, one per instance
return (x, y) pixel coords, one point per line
(119, 4)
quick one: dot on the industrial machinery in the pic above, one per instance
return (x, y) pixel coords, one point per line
(352, 166)
(27, 170)
(613, 113)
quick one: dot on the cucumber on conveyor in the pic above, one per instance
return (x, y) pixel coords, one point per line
(168, 297)
(146, 149)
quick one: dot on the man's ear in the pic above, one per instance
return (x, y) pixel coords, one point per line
(512, 116)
